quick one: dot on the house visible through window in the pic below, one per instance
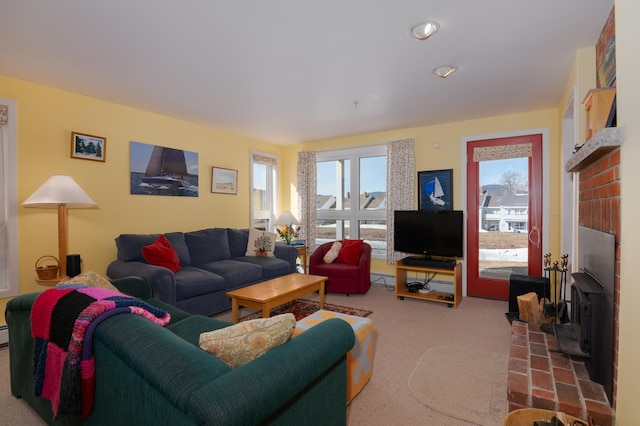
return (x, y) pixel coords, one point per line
(264, 180)
(352, 196)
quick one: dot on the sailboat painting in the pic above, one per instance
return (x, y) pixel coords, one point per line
(158, 170)
(435, 190)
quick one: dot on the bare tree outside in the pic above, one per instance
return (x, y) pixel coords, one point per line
(513, 180)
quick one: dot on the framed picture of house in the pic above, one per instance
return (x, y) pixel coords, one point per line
(88, 147)
(435, 190)
(224, 181)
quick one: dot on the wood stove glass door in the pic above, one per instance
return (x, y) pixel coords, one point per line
(504, 201)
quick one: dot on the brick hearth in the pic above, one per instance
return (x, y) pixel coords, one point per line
(542, 377)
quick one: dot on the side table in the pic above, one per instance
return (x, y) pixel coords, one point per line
(302, 252)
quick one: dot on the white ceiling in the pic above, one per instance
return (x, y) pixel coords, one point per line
(293, 70)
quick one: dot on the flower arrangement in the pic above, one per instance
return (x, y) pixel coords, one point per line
(288, 232)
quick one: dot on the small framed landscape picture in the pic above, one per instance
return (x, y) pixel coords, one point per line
(88, 147)
(224, 181)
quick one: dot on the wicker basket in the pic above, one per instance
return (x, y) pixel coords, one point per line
(47, 272)
(526, 417)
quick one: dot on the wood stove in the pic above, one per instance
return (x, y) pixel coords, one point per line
(590, 332)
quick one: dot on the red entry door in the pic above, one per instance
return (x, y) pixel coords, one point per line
(504, 200)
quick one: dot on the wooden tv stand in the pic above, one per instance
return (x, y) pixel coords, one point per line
(432, 296)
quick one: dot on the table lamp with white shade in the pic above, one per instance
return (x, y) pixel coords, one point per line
(290, 224)
(61, 192)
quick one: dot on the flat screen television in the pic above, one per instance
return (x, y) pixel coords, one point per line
(429, 233)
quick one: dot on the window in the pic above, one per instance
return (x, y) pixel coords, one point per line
(8, 200)
(352, 196)
(264, 180)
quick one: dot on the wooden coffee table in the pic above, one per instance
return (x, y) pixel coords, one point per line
(278, 291)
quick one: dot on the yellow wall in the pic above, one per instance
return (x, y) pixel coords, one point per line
(46, 118)
(448, 155)
(628, 102)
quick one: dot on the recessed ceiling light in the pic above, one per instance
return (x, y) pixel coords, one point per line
(424, 31)
(444, 71)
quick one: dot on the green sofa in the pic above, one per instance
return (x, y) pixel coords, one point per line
(147, 374)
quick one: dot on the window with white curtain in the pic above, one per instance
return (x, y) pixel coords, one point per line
(8, 200)
(352, 196)
(264, 184)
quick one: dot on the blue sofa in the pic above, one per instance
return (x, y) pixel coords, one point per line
(213, 262)
(152, 375)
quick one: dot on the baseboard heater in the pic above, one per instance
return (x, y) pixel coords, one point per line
(4, 335)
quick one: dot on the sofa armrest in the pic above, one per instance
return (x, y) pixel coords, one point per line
(287, 253)
(317, 256)
(305, 374)
(365, 261)
(18, 317)
(161, 280)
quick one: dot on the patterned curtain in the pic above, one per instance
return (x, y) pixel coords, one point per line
(502, 152)
(307, 200)
(401, 177)
(263, 159)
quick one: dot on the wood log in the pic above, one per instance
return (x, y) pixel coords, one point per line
(529, 307)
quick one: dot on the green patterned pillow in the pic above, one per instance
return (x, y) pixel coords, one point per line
(241, 343)
(261, 243)
(90, 278)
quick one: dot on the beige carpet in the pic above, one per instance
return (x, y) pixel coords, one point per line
(14, 411)
(463, 382)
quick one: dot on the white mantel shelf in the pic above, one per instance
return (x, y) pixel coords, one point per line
(605, 141)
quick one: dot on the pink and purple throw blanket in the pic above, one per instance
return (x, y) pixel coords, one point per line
(63, 320)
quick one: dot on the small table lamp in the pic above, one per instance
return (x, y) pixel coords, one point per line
(60, 192)
(288, 220)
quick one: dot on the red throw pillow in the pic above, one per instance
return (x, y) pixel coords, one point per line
(350, 252)
(162, 253)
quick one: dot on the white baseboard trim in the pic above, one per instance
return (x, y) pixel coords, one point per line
(4, 335)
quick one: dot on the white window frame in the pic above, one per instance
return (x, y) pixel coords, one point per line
(269, 210)
(354, 215)
(9, 283)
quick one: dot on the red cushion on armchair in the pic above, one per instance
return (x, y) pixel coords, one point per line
(350, 252)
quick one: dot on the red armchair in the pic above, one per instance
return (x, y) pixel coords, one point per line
(343, 278)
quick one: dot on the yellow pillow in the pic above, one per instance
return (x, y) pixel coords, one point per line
(90, 278)
(241, 343)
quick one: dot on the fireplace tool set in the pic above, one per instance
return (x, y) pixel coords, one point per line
(556, 306)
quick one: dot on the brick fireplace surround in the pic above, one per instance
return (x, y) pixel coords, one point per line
(538, 376)
(541, 377)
